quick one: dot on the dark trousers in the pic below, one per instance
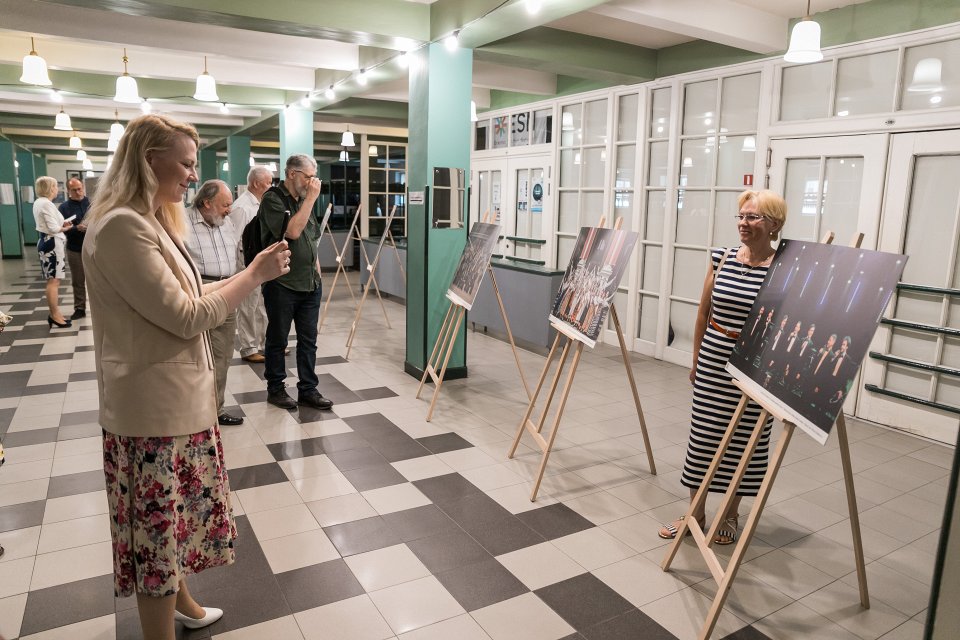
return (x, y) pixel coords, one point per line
(284, 306)
(75, 263)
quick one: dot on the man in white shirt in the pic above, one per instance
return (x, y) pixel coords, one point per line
(251, 315)
(213, 246)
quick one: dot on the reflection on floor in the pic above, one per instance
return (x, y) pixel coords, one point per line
(367, 522)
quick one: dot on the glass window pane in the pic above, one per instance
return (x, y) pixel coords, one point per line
(737, 155)
(865, 84)
(542, 126)
(495, 195)
(520, 129)
(922, 90)
(649, 310)
(594, 167)
(740, 102)
(570, 168)
(689, 265)
(398, 157)
(841, 196)
(650, 268)
(592, 209)
(660, 113)
(595, 122)
(683, 317)
(656, 213)
(564, 251)
(626, 166)
(725, 232)
(501, 127)
(378, 157)
(627, 118)
(797, 101)
(623, 208)
(933, 210)
(570, 125)
(397, 181)
(693, 214)
(696, 166)
(699, 103)
(657, 171)
(569, 210)
(378, 180)
(481, 142)
(802, 193)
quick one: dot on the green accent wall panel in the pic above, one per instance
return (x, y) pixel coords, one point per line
(11, 239)
(238, 153)
(27, 179)
(296, 133)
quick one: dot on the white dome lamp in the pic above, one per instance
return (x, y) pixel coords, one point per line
(35, 68)
(62, 122)
(347, 139)
(127, 86)
(804, 41)
(927, 76)
(116, 129)
(206, 86)
(75, 142)
(81, 155)
(87, 164)
(112, 144)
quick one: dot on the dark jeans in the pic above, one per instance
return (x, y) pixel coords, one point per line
(284, 306)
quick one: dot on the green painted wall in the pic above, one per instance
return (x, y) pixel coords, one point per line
(208, 164)
(11, 240)
(440, 89)
(39, 166)
(238, 153)
(27, 178)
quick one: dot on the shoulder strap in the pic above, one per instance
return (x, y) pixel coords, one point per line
(723, 259)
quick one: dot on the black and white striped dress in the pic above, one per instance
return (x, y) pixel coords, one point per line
(715, 398)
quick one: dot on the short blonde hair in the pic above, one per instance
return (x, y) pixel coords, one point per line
(46, 187)
(769, 205)
(130, 181)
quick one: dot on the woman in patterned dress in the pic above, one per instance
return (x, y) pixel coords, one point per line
(724, 304)
(167, 487)
(51, 246)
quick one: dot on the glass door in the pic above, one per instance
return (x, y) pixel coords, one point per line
(913, 375)
(526, 236)
(486, 193)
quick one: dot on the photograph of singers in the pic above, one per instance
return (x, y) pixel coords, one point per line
(838, 294)
(473, 263)
(599, 259)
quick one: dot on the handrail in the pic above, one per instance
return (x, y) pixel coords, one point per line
(526, 260)
(526, 240)
(949, 331)
(922, 288)
(903, 396)
(916, 364)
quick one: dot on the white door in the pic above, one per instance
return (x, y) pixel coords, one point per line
(486, 192)
(920, 361)
(831, 184)
(527, 232)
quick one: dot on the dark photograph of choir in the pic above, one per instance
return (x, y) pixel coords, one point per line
(810, 327)
(473, 263)
(599, 259)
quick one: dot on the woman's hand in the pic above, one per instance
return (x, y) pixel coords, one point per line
(693, 374)
(272, 262)
(66, 226)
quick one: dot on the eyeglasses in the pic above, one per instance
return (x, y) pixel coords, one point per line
(305, 175)
(749, 217)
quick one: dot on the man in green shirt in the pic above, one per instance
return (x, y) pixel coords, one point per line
(295, 296)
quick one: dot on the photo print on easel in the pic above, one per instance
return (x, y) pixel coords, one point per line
(473, 264)
(598, 262)
(810, 327)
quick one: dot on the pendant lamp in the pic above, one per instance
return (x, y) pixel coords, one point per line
(75, 142)
(206, 86)
(112, 144)
(804, 41)
(127, 85)
(35, 68)
(63, 121)
(81, 154)
(373, 151)
(116, 129)
(347, 139)
(344, 156)
(87, 164)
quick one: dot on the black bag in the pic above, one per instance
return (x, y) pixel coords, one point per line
(251, 240)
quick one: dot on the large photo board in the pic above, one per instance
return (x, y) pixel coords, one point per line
(599, 259)
(473, 264)
(809, 328)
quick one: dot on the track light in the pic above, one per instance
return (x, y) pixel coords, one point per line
(452, 41)
(145, 107)
(329, 94)
(224, 109)
(362, 78)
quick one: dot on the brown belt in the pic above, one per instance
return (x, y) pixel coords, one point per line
(730, 334)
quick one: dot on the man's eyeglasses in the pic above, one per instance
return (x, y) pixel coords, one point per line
(749, 217)
(305, 175)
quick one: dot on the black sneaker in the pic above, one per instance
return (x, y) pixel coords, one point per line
(314, 399)
(281, 399)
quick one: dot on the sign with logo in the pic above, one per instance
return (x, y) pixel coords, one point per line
(537, 206)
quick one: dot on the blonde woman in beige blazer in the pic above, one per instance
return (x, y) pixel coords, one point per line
(166, 481)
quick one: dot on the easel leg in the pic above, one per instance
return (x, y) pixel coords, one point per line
(506, 323)
(333, 287)
(633, 388)
(854, 512)
(451, 341)
(436, 347)
(373, 279)
(356, 322)
(536, 393)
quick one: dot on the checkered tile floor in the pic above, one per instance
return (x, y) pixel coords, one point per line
(369, 523)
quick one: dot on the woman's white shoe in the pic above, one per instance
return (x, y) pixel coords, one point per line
(211, 615)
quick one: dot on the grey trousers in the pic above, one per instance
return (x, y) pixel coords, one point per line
(75, 263)
(221, 341)
(251, 324)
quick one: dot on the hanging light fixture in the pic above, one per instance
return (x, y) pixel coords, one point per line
(116, 129)
(224, 109)
(35, 68)
(347, 139)
(87, 164)
(112, 144)
(55, 96)
(145, 107)
(927, 76)
(126, 85)
(306, 102)
(75, 142)
(403, 59)
(329, 94)
(344, 156)
(62, 122)
(81, 154)
(452, 41)
(373, 151)
(473, 111)
(206, 86)
(804, 41)
(362, 78)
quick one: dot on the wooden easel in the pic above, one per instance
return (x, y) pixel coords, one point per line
(443, 347)
(353, 233)
(372, 268)
(705, 540)
(535, 428)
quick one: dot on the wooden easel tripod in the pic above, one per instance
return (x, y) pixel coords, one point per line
(705, 539)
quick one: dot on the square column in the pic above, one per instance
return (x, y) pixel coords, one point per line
(11, 238)
(27, 178)
(296, 134)
(238, 154)
(208, 165)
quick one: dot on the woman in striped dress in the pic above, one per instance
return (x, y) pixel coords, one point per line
(733, 280)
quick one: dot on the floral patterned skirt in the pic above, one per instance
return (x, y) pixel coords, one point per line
(170, 511)
(52, 257)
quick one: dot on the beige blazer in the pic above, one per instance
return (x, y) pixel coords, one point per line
(150, 317)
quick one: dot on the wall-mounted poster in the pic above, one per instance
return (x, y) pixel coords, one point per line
(473, 264)
(597, 263)
(810, 326)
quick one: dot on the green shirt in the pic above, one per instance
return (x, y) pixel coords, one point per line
(303, 275)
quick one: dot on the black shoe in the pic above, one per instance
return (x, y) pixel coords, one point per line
(53, 323)
(78, 313)
(281, 399)
(314, 399)
(228, 420)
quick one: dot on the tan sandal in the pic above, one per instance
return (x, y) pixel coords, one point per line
(728, 532)
(669, 531)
